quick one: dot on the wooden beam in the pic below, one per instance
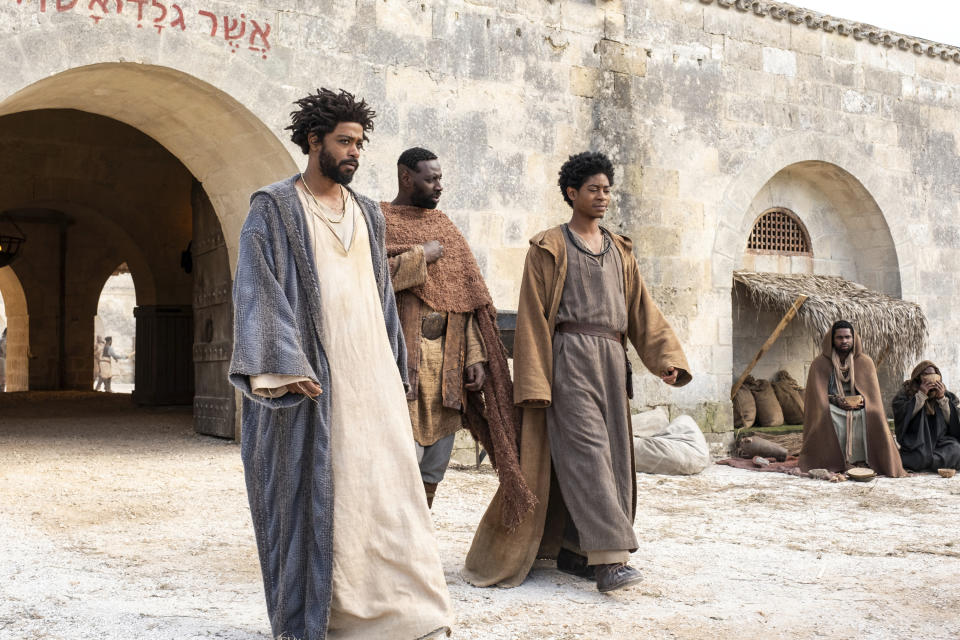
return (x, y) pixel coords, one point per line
(784, 321)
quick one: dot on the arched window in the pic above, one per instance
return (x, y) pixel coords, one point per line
(779, 231)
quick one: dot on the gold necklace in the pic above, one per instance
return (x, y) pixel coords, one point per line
(320, 206)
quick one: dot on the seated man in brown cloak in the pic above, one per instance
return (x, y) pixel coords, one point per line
(581, 297)
(844, 423)
(447, 317)
(927, 421)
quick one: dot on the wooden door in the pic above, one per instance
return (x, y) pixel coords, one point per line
(214, 405)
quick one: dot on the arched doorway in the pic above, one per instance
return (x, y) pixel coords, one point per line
(224, 153)
(845, 234)
(17, 326)
(115, 324)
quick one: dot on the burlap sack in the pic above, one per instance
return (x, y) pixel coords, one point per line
(769, 413)
(744, 408)
(677, 449)
(790, 396)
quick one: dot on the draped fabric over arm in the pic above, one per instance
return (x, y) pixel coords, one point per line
(268, 338)
(651, 334)
(532, 359)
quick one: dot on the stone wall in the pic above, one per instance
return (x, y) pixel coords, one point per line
(710, 111)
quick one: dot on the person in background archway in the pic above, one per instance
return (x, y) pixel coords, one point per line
(345, 538)
(107, 357)
(97, 354)
(927, 421)
(447, 315)
(844, 423)
(581, 297)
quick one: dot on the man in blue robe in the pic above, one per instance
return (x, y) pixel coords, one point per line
(344, 536)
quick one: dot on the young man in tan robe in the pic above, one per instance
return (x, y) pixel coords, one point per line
(581, 297)
(445, 352)
(844, 422)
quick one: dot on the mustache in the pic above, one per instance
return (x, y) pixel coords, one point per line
(352, 163)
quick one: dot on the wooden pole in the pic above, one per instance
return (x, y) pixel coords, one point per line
(784, 321)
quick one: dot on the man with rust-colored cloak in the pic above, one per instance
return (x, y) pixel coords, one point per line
(456, 365)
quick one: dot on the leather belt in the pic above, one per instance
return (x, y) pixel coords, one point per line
(433, 325)
(590, 330)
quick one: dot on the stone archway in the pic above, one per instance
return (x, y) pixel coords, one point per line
(225, 146)
(17, 366)
(849, 237)
(826, 164)
(226, 149)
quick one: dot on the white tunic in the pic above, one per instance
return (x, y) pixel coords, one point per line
(388, 580)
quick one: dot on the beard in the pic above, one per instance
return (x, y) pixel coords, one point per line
(423, 200)
(333, 169)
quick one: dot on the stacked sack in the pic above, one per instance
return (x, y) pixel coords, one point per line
(790, 396)
(768, 404)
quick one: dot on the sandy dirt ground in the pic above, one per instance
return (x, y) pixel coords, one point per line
(117, 522)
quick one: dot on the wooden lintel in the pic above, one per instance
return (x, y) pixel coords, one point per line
(784, 321)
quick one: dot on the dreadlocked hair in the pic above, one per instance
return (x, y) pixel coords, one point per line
(320, 113)
(581, 166)
(414, 155)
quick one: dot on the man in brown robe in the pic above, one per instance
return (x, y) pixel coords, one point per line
(580, 298)
(844, 422)
(440, 292)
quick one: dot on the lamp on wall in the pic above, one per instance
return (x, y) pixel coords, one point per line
(10, 244)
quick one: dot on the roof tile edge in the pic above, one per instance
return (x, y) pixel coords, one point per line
(845, 28)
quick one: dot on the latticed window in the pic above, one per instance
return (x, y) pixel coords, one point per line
(779, 231)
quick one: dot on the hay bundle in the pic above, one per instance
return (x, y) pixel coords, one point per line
(769, 413)
(744, 408)
(891, 329)
(790, 396)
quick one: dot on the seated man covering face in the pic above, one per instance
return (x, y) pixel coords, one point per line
(927, 419)
(843, 420)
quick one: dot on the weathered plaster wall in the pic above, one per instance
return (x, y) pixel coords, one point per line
(701, 105)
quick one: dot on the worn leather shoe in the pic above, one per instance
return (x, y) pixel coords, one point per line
(575, 564)
(616, 576)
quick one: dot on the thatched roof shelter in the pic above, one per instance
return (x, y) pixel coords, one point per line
(893, 331)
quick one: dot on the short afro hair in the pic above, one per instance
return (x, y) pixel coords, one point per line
(578, 168)
(321, 112)
(415, 155)
(841, 324)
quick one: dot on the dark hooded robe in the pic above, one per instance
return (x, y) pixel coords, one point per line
(821, 446)
(928, 429)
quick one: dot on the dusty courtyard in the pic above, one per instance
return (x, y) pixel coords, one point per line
(119, 522)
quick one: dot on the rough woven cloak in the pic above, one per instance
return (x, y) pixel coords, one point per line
(503, 556)
(821, 447)
(285, 441)
(454, 284)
